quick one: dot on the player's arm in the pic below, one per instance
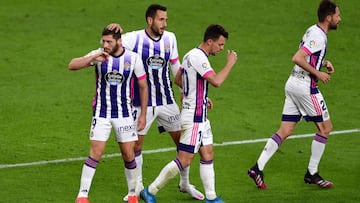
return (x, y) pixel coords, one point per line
(85, 61)
(143, 86)
(300, 59)
(217, 79)
(178, 78)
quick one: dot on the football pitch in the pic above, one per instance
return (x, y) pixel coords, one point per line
(45, 110)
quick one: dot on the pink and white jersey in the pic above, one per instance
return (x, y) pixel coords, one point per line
(112, 96)
(195, 68)
(157, 55)
(314, 44)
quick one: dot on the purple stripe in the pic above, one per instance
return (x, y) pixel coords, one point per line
(156, 79)
(178, 163)
(130, 164)
(124, 86)
(138, 153)
(145, 55)
(103, 106)
(206, 162)
(166, 76)
(277, 139)
(91, 162)
(320, 138)
(113, 91)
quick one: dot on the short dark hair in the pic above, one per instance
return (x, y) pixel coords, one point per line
(326, 8)
(151, 10)
(116, 34)
(214, 31)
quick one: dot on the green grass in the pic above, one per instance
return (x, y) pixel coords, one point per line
(45, 110)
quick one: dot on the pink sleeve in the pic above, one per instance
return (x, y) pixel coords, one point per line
(208, 73)
(142, 77)
(306, 50)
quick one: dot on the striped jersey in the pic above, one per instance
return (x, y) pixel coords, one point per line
(314, 44)
(157, 55)
(195, 68)
(112, 96)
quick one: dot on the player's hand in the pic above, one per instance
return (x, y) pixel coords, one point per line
(141, 123)
(329, 67)
(115, 26)
(101, 57)
(231, 57)
(324, 77)
(209, 104)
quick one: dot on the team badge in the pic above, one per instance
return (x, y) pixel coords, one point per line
(167, 48)
(127, 65)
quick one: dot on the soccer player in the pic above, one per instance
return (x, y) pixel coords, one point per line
(304, 99)
(195, 76)
(114, 67)
(159, 52)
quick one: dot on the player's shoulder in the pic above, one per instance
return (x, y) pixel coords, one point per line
(169, 33)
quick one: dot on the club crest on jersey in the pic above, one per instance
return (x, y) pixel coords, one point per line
(155, 62)
(114, 78)
(127, 66)
(167, 48)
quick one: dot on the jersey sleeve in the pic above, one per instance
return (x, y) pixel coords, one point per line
(202, 65)
(313, 42)
(91, 53)
(139, 68)
(129, 40)
(174, 58)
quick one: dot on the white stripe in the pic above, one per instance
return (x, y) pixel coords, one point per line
(167, 149)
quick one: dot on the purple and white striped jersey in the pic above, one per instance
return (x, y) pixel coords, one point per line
(157, 55)
(314, 44)
(113, 77)
(195, 68)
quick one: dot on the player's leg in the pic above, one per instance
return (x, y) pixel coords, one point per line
(99, 134)
(126, 135)
(127, 153)
(169, 120)
(324, 126)
(150, 117)
(290, 116)
(173, 168)
(207, 172)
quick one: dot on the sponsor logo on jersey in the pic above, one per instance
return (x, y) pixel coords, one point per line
(114, 77)
(312, 44)
(155, 62)
(205, 66)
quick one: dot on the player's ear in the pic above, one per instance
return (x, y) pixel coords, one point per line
(149, 20)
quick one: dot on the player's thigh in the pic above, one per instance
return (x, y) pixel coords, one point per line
(150, 117)
(314, 107)
(169, 117)
(125, 129)
(100, 129)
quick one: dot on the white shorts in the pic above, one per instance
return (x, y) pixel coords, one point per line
(195, 135)
(124, 128)
(167, 116)
(300, 103)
